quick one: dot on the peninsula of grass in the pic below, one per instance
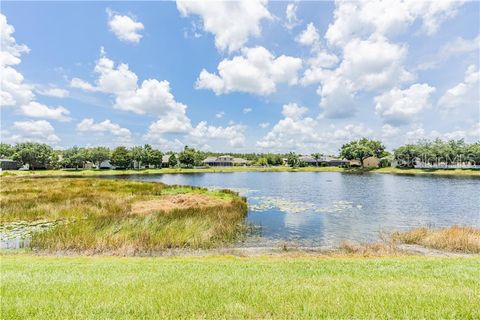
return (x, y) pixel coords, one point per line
(119, 216)
(47, 287)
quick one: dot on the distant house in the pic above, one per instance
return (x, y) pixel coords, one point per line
(7, 164)
(371, 162)
(225, 161)
(166, 159)
(106, 165)
(323, 161)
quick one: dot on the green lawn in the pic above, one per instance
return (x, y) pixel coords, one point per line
(35, 287)
(449, 172)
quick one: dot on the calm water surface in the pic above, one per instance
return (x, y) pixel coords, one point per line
(324, 208)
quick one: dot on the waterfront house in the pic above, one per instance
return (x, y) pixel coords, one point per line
(225, 161)
(7, 164)
(371, 162)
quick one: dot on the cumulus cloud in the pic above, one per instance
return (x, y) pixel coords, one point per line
(14, 92)
(106, 126)
(264, 125)
(37, 110)
(309, 36)
(256, 71)
(399, 107)
(150, 97)
(302, 133)
(359, 19)
(31, 131)
(247, 110)
(367, 65)
(53, 92)
(291, 16)
(231, 22)
(458, 46)
(124, 27)
(466, 94)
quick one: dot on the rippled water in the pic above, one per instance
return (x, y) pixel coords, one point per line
(324, 208)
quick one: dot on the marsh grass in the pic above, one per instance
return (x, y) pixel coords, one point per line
(455, 238)
(99, 219)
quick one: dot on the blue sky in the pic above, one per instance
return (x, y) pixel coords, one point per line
(239, 76)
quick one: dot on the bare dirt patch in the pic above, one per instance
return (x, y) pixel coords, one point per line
(178, 201)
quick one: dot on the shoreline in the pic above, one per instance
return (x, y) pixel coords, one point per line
(95, 172)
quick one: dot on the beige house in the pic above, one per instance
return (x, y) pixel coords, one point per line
(371, 162)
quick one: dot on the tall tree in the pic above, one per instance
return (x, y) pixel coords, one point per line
(155, 158)
(36, 155)
(99, 154)
(187, 157)
(121, 157)
(138, 155)
(293, 160)
(172, 161)
(362, 149)
(6, 150)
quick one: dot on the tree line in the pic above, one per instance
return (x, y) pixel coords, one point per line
(41, 156)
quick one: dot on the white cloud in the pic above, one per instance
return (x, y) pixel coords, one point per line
(471, 134)
(81, 84)
(234, 134)
(126, 28)
(202, 133)
(457, 47)
(367, 65)
(36, 131)
(53, 92)
(106, 126)
(232, 22)
(151, 97)
(13, 91)
(247, 110)
(465, 94)
(291, 16)
(296, 132)
(318, 67)
(219, 115)
(389, 131)
(264, 125)
(401, 106)
(37, 110)
(309, 36)
(357, 19)
(255, 71)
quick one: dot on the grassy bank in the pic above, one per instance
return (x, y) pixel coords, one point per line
(456, 238)
(34, 287)
(446, 172)
(118, 216)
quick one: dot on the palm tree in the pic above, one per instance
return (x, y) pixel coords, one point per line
(317, 156)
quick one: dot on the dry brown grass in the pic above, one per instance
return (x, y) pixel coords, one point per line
(375, 249)
(455, 238)
(179, 201)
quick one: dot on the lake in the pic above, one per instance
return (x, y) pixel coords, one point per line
(324, 208)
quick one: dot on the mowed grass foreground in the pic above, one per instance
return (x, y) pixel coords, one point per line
(43, 287)
(119, 216)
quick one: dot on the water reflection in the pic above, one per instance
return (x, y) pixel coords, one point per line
(323, 208)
